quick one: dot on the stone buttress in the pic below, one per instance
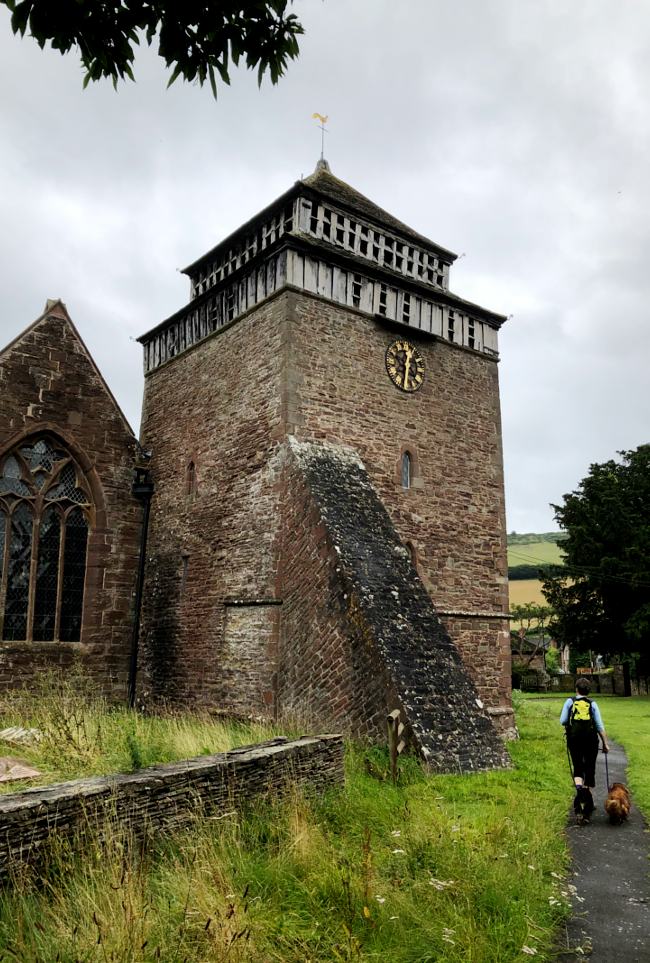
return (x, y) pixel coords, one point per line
(392, 649)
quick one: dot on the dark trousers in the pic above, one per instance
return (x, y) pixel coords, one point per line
(584, 753)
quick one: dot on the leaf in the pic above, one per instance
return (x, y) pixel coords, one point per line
(366, 912)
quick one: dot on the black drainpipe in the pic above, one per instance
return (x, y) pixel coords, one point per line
(142, 487)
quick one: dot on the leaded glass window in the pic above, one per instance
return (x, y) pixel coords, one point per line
(44, 523)
(406, 470)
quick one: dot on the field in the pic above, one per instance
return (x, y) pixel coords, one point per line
(530, 590)
(541, 552)
(445, 868)
(530, 550)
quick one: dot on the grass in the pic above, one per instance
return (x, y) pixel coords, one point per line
(82, 736)
(626, 721)
(444, 868)
(534, 553)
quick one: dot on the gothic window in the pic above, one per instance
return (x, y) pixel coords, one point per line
(44, 509)
(406, 470)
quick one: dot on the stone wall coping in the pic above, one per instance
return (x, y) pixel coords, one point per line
(474, 615)
(152, 776)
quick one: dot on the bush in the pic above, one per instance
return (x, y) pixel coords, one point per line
(517, 699)
(552, 661)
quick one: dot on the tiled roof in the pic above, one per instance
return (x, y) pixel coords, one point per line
(325, 183)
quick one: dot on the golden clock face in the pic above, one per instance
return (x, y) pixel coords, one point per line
(405, 366)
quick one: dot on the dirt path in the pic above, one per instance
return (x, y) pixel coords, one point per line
(610, 871)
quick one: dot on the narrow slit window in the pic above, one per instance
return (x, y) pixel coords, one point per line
(191, 478)
(186, 560)
(471, 337)
(406, 470)
(450, 326)
(406, 309)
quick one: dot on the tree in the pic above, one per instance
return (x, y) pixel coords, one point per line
(552, 661)
(196, 38)
(532, 619)
(601, 596)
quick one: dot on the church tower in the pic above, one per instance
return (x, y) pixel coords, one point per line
(328, 531)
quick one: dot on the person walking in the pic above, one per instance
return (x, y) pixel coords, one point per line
(583, 724)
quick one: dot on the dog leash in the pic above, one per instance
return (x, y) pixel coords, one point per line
(606, 767)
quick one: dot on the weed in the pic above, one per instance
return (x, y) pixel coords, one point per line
(439, 868)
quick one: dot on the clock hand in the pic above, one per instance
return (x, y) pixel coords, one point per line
(407, 365)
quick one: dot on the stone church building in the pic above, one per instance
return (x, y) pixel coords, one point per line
(327, 534)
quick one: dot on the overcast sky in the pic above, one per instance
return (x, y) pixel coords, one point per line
(516, 133)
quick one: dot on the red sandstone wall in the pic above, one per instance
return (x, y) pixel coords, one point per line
(299, 364)
(48, 382)
(218, 405)
(454, 515)
(329, 670)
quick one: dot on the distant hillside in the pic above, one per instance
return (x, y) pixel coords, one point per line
(533, 549)
(532, 537)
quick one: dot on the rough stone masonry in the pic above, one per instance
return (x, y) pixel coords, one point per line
(391, 641)
(288, 335)
(164, 798)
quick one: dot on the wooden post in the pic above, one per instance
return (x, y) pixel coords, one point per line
(395, 746)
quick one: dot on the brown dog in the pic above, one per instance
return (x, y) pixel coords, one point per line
(618, 803)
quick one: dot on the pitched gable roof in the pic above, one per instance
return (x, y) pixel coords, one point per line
(55, 308)
(325, 183)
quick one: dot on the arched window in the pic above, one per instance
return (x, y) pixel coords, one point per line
(191, 478)
(406, 470)
(44, 504)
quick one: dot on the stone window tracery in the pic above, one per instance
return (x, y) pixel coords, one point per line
(44, 524)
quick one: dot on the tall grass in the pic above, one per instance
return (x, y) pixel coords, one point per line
(81, 735)
(453, 868)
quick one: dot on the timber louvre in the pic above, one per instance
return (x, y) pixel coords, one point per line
(305, 239)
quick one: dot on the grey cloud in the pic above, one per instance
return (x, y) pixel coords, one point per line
(504, 130)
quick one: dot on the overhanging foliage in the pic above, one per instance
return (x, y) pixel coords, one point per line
(197, 39)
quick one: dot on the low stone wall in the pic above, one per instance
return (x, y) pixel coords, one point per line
(166, 797)
(613, 683)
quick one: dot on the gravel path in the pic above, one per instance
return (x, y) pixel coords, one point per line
(610, 871)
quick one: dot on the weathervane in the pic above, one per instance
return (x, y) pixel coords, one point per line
(323, 121)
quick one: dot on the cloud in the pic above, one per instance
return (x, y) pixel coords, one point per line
(516, 133)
